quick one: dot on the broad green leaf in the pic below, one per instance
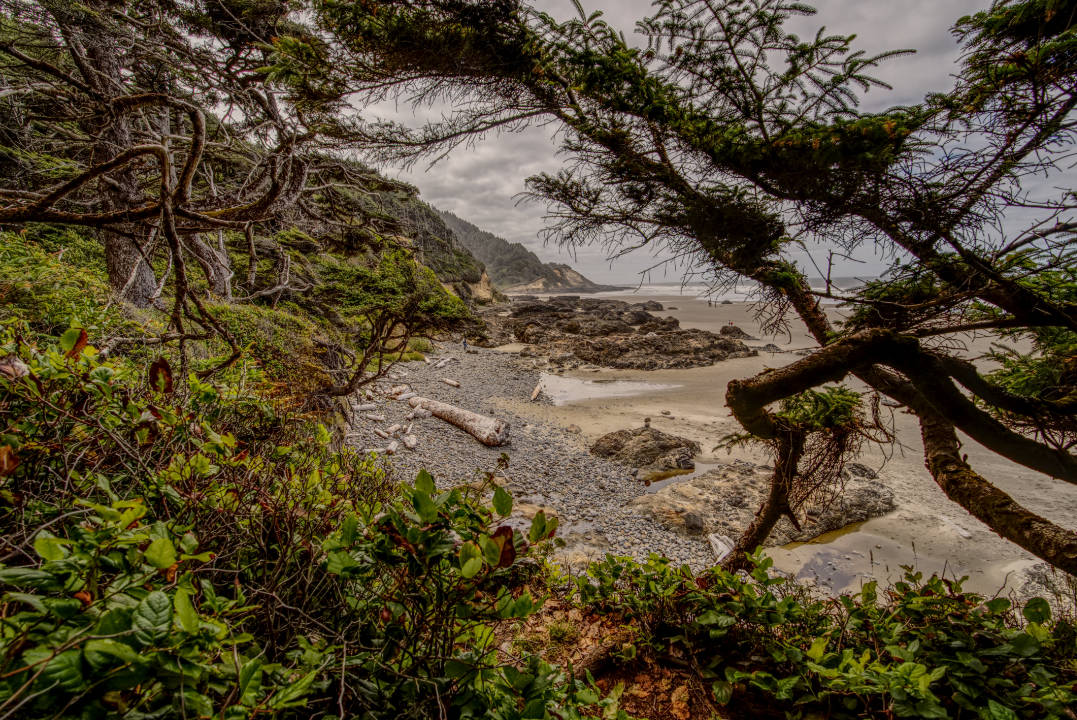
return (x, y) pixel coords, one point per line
(817, 649)
(189, 542)
(192, 704)
(34, 601)
(152, 618)
(1025, 645)
(424, 482)
(502, 502)
(30, 578)
(114, 622)
(65, 670)
(188, 616)
(292, 696)
(250, 681)
(339, 561)
(106, 652)
(50, 547)
(491, 551)
(70, 338)
(161, 553)
(997, 711)
(723, 692)
(425, 506)
(1037, 610)
(538, 527)
(470, 560)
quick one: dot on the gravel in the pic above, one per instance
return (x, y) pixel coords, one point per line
(548, 466)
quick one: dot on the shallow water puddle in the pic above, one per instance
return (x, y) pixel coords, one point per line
(566, 390)
(671, 477)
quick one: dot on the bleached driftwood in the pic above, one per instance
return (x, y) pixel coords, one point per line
(419, 414)
(452, 383)
(365, 408)
(394, 429)
(376, 451)
(398, 389)
(410, 442)
(443, 362)
(406, 396)
(536, 392)
(381, 433)
(375, 418)
(721, 545)
(393, 447)
(487, 430)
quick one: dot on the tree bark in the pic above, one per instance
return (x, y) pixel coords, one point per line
(96, 53)
(996, 509)
(790, 448)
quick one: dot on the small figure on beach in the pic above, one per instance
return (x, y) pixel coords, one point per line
(465, 344)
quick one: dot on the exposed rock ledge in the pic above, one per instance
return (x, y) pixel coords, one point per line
(647, 449)
(724, 501)
(570, 331)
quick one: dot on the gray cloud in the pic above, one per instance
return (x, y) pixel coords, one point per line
(481, 183)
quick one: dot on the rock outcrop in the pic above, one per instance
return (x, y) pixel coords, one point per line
(647, 449)
(570, 330)
(724, 501)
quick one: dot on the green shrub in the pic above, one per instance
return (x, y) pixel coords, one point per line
(156, 564)
(927, 650)
(43, 288)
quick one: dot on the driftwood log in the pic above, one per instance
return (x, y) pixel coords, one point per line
(487, 430)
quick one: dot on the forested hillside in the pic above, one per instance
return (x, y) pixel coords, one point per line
(512, 266)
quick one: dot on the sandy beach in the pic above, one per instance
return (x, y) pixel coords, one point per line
(927, 531)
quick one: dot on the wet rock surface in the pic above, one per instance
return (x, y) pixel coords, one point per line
(724, 501)
(571, 331)
(647, 449)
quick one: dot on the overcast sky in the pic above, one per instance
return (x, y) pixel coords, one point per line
(480, 183)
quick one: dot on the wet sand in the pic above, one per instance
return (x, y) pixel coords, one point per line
(927, 531)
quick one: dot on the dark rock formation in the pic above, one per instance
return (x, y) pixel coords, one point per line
(647, 449)
(571, 330)
(732, 331)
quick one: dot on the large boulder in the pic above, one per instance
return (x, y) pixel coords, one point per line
(724, 501)
(732, 331)
(647, 449)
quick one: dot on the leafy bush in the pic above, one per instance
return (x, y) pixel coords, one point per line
(927, 650)
(196, 554)
(42, 287)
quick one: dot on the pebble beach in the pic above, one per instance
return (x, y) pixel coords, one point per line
(550, 465)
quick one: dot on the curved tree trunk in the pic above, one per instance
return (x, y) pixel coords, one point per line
(97, 55)
(790, 448)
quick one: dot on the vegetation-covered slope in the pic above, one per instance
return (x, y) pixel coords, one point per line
(512, 266)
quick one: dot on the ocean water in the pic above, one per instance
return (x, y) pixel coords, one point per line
(743, 291)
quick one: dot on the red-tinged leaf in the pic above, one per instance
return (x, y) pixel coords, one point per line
(8, 460)
(79, 346)
(161, 376)
(503, 536)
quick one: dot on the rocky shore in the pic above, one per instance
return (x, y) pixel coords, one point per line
(571, 331)
(601, 504)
